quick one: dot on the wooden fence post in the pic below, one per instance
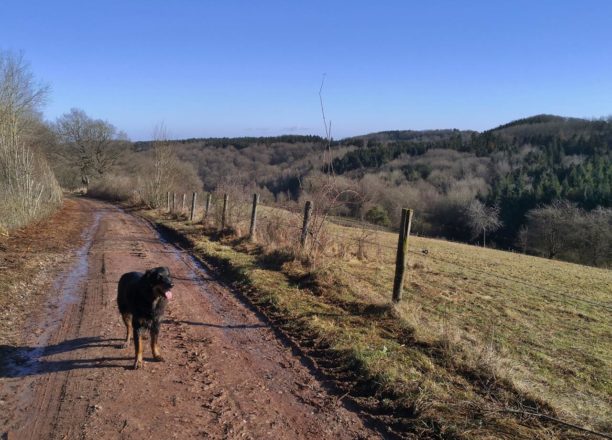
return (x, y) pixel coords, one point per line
(402, 250)
(253, 218)
(168, 200)
(207, 208)
(173, 201)
(307, 213)
(183, 203)
(193, 206)
(224, 214)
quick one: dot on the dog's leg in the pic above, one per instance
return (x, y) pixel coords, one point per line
(154, 343)
(127, 319)
(138, 347)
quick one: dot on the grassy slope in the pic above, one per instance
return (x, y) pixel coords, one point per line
(539, 322)
(475, 335)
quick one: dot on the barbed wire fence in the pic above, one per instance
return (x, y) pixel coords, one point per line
(242, 215)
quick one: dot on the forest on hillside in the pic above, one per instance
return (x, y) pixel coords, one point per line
(541, 185)
(516, 168)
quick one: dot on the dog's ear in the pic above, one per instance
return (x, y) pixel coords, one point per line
(149, 275)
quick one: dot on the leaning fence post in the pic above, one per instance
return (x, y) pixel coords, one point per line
(402, 250)
(193, 206)
(183, 203)
(253, 217)
(173, 202)
(207, 208)
(307, 213)
(224, 214)
(168, 200)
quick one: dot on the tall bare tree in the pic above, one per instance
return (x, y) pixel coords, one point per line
(483, 219)
(162, 169)
(27, 185)
(328, 193)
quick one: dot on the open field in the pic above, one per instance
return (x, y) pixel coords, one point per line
(544, 324)
(480, 333)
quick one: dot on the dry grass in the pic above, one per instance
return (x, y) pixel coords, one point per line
(479, 331)
(115, 189)
(544, 325)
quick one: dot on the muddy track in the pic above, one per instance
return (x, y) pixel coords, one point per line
(226, 374)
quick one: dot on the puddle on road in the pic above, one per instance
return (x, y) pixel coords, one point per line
(25, 361)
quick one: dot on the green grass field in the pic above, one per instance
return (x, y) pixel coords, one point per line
(480, 333)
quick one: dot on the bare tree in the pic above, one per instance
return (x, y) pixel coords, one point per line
(483, 219)
(92, 143)
(326, 192)
(162, 172)
(595, 237)
(549, 227)
(27, 185)
(563, 230)
(522, 238)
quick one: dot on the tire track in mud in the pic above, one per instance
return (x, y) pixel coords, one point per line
(226, 375)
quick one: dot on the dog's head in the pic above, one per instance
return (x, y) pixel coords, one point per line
(160, 281)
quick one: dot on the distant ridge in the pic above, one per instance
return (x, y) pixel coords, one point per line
(542, 119)
(382, 136)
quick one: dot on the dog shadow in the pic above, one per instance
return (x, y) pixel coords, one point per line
(23, 361)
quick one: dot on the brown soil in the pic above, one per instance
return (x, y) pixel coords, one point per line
(226, 375)
(30, 258)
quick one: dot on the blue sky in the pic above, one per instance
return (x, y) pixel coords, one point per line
(250, 68)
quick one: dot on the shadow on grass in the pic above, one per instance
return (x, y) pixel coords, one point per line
(274, 260)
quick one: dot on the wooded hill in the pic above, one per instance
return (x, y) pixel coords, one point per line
(530, 162)
(516, 167)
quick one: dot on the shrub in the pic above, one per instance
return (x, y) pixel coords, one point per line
(115, 189)
(378, 216)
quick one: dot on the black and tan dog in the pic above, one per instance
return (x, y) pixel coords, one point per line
(142, 300)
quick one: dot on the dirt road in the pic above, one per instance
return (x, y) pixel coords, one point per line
(226, 375)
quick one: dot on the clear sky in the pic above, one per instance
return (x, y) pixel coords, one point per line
(250, 68)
